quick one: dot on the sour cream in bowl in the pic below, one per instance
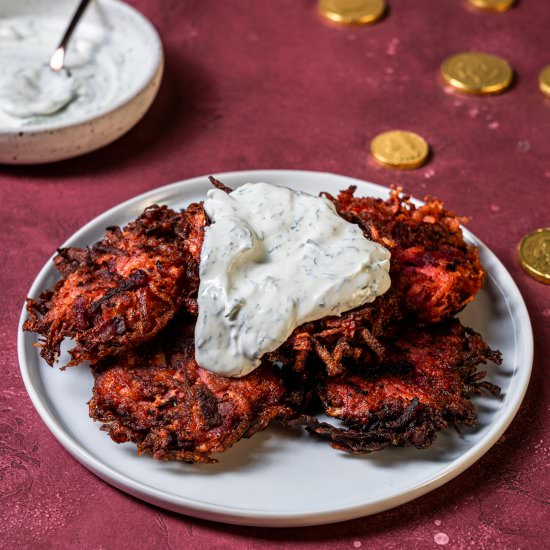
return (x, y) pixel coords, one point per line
(115, 64)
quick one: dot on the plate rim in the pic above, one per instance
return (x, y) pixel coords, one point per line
(263, 518)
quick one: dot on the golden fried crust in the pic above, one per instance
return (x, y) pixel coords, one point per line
(160, 399)
(425, 386)
(122, 291)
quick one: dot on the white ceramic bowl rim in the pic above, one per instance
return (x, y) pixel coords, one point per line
(125, 98)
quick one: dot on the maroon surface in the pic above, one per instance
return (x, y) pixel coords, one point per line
(254, 84)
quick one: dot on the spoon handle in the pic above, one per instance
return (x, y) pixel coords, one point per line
(74, 22)
(58, 58)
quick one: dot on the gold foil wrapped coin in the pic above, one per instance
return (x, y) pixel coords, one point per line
(400, 149)
(352, 12)
(477, 73)
(544, 80)
(493, 5)
(534, 254)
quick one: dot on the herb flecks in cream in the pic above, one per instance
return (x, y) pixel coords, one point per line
(29, 92)
(32, 94)
(272, 260)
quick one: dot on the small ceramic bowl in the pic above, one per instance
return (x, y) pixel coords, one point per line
(133, 38)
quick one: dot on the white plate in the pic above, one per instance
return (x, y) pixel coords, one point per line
(131, 37)
(280, 477)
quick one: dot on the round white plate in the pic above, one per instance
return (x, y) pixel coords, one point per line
(283, 477)
(131, 37)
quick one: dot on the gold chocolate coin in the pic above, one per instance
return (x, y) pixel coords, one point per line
(544, 80)
(400, 149)
(493, 5)
(352, 12)
(477, 73)
(534, 254)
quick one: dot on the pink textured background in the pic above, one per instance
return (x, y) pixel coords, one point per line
(258, 84)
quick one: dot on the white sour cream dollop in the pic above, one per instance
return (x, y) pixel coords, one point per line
(32, 94)
(272, 260)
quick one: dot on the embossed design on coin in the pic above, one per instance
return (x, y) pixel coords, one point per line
(493, 5)
(544, 80)
(477, 73)
(534, 254)
(352, 12)
(400, 149)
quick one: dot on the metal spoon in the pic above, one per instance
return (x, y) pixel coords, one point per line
(57, 60)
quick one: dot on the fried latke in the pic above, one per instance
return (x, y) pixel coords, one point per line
(161, 400)
(423, 387)
(358, 336)
(431, 264)
(124, 289)
(395, 371)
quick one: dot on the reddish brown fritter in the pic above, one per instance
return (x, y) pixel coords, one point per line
(124, 289)
(160, 399)
(437, 272)
(387, 385)
(434, 275)
(356, 337)
(424, 387)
